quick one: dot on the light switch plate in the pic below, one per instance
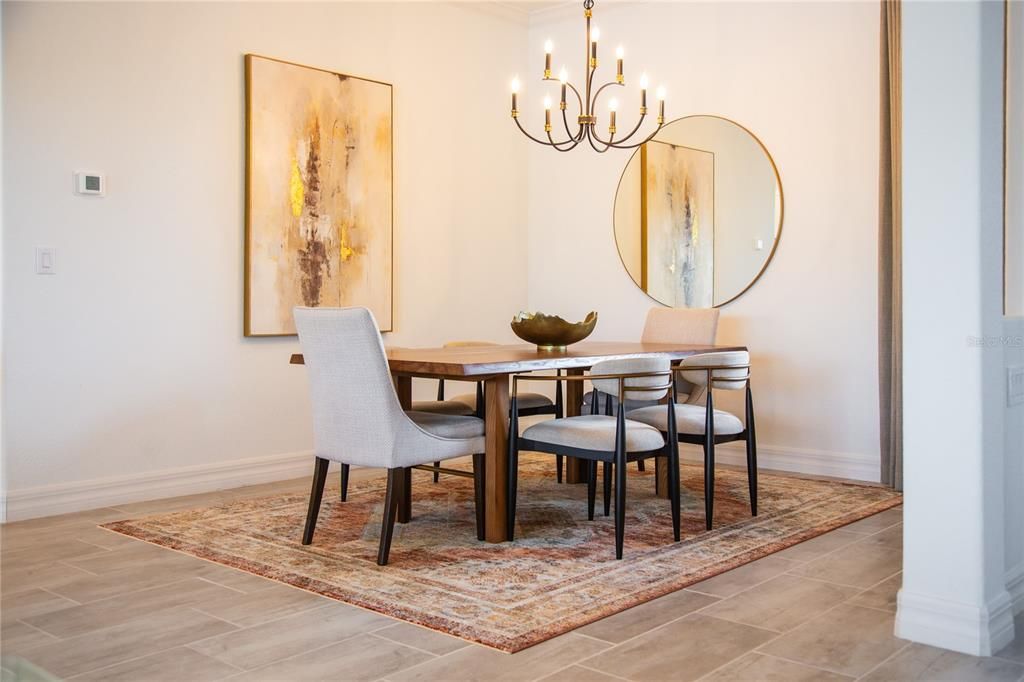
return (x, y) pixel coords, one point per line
(90, 183)
(1015, 385)
(46, 260)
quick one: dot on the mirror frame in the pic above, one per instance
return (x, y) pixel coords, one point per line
(778, 228)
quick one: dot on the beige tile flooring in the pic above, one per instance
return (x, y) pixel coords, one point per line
(87, 604)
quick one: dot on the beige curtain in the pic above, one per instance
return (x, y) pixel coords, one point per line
(890, 247)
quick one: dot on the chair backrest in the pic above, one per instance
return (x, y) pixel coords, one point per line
(733, 375)
(697, 326)
(356, 413)
(651, 363)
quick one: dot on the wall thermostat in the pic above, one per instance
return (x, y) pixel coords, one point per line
(90, 183)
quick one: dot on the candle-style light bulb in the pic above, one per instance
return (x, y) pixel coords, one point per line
(547, 102)
(595, 35)
(547, 114)
(548, 47)
(661, 104)
(563, 76)
(515, 92)
(613, 105)
(644, 82)
(619, 54)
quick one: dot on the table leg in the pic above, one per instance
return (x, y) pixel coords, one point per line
(575, 469)
(403, 387)
(496, 405)
(661, 477)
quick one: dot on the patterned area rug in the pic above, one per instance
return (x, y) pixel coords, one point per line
(558, 575)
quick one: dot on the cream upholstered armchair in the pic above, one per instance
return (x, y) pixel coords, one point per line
(695, 326)
(706, 426)
(614, 441)
(358, 420)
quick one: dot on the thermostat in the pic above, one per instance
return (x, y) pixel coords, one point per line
(90, 183)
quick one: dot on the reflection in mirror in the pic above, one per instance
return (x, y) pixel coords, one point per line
(698, 212)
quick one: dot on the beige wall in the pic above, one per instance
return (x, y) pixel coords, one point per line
(804, 78)
(127, 372)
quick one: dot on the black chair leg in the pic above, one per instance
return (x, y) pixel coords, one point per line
(709, 484)
(478, 490)
(673, 489)
(437, 474)
(607, 488)
(405, 496)
(640, 466)
(620, 500)
(709, 465)
(591, 488)
(751, 453)
(391, 503)
(344, 482)
(316, 494)
(558, 468)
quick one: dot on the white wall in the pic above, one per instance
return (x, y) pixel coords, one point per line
(126, 372)
(1015, 161)
(954, 571)
(1013, 470)
(804, 78)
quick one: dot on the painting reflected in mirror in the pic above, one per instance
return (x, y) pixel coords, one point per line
(698, 212)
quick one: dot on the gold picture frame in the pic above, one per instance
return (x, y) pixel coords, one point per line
(319, 193)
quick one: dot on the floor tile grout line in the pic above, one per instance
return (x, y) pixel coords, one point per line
(833, 582)
(226, 587)
(408, 646)
(147, 655)
(37, 629)
(121, 595)
(300, 653)
(247, 627)
(603, 672)
(885, 660)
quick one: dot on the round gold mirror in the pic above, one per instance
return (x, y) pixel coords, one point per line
(698, 212)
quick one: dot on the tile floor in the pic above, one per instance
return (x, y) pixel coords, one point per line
(87, 604)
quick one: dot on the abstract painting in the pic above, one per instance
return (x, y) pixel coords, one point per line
(678, 224)
(318, 194)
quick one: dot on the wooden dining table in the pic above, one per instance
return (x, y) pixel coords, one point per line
(493, 365)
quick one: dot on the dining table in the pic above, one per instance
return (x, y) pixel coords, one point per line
(493, 365)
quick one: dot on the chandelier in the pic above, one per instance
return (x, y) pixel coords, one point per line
(587, 102)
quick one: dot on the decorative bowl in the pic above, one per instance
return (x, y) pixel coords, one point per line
(550, 332)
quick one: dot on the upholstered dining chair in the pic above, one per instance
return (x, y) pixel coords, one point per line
(706, 426)
(692, 326)
(530, 404)
(600, 438)
(358, 420)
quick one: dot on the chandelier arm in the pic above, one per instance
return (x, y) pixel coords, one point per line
(565, 122)
(572, 144)
(619, 145)
(535, 139)
(635, 128)
(598, 93)
(591, 135)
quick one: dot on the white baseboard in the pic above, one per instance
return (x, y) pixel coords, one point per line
(813, 462)
(1015, 586)
(967, 628)
(63, 498)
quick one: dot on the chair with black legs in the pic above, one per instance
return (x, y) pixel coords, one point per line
(704, 425)
(614, 441)
(357, 418)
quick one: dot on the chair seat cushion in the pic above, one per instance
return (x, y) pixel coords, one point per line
(526, 401)
(689, 419)
(450, 407)
(448, 425)
(594, 432)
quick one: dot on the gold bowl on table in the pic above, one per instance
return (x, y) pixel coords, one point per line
(550, 332)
